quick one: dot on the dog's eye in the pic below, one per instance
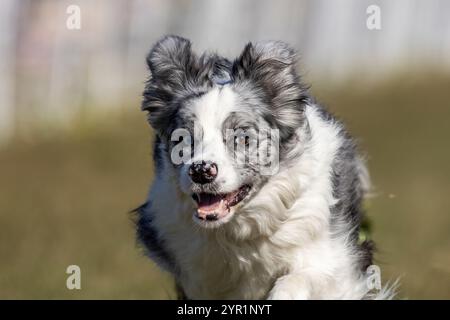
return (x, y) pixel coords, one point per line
(242, 139)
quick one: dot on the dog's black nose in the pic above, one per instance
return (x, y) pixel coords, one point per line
(203, 172)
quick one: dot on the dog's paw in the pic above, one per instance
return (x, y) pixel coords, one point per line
(286, 295)
(289, 287)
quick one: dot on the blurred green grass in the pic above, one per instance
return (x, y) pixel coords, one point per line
(65, 200)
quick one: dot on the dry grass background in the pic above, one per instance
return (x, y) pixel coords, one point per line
(65, 200)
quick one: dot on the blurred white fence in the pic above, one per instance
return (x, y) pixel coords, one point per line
(49, 74)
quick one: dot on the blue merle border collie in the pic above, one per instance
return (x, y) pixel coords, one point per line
(225, 228)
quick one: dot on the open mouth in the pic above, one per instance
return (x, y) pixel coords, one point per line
(213, 207)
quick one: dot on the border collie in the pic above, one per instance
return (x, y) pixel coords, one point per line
(258, 189)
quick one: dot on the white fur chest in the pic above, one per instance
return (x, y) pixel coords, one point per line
(215, 268)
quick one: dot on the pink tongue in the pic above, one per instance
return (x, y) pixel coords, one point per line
(209, 202)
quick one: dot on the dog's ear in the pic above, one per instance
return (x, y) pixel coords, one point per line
(271, 67)
(171, 62)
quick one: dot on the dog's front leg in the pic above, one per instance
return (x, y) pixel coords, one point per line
(293, 286)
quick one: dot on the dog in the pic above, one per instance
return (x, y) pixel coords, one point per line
(283, 227)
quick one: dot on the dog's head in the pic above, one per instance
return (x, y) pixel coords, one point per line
(225, 125)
